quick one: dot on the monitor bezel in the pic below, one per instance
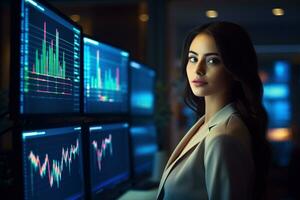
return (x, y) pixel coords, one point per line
(14, 92)
(112, 115)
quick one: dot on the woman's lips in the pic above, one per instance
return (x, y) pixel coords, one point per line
(199, 82)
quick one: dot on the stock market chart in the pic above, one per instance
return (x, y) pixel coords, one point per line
(49, 61)
(52, 163)
(105, 78)
(109, 155)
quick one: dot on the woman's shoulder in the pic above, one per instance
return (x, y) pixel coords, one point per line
(235, 125)
(231, 129)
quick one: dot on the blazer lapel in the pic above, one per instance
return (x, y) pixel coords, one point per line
(178, 153)
(184, 141)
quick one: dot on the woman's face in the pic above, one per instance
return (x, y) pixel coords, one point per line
(205, 69)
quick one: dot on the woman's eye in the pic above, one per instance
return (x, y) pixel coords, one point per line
(193, 59)
(213, 61)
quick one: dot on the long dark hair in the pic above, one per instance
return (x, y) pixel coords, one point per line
(239, 58)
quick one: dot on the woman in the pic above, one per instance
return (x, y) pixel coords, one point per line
(225, 154)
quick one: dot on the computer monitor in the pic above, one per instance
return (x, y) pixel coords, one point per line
(46, 60)
(109, 156)
(105, 78)
(142, 89)
(52, 163)
(144, 147)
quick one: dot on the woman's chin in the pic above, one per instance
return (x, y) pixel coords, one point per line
(198, 94)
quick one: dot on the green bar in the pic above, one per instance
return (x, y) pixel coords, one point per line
(47, 62)
(57, 53)
(54, 63)
(50, 59)
(111, 84)
(64, 66)
(43, 64)
(37, 61)
(106, 84)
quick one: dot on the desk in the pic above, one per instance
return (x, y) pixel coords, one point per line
(139, 194)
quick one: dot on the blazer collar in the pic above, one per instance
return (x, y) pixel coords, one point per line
(180, 150)
(221, 115)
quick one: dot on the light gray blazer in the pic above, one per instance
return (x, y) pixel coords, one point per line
(217, 164)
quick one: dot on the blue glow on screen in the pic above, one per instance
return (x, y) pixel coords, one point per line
(279, 112)
(144, 146)
(276, 91)
(147, 149)
(277, 94)
(277, 101)
(142, 89)
(282, 71)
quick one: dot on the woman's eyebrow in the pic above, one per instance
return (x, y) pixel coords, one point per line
(193, 52)
(206, 54)
(212, 54)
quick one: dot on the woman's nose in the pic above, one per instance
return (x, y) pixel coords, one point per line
(201, 68)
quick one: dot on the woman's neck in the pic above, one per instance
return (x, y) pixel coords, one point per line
(213, 104)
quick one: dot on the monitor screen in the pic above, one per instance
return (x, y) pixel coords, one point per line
(50, 48)
(52, 163)
(105, 78)
(144, 146)
(109, 156)
(142, 89)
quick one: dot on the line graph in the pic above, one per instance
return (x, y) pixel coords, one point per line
(100, 151)
(53, 163)
(109, 155)
(53, 170)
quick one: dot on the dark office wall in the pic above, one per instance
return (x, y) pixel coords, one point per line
(118, 25)
(5, 45)
(5, 140)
